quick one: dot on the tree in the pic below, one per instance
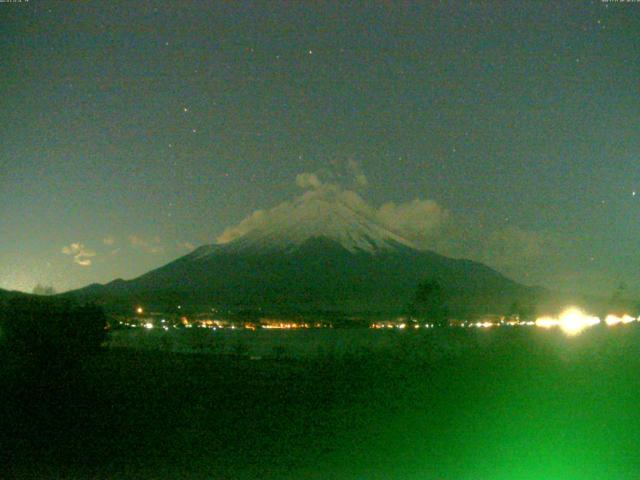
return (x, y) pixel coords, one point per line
(43, 332)
(40, 289)
(521, 310)
(429, 303)
(617, 299)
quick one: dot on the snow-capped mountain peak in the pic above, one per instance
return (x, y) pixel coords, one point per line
(340, 216)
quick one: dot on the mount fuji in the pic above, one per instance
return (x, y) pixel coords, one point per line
(322, 252)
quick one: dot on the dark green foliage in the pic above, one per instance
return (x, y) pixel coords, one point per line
(40, 289)
(429, 303)
(41, 331)
(521, 310)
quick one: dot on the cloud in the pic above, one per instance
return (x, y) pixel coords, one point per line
(109, 240)
(308, 180)
(72, 249)
(417, 220)
(361, 180)
(357, 173)
(153, 246)
(523, 254)
(350, 175)
(81, 255)
(257, 218)
(186, 246)
(527, 253)
(512, 246)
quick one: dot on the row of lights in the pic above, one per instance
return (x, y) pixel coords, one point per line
(571, 321)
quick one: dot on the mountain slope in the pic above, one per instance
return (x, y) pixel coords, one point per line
(321, 252)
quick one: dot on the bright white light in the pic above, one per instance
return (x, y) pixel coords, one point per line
(572, 321)
(148, 325)
(482, 324)
(546, 322)
(615, 320)
(612, 320)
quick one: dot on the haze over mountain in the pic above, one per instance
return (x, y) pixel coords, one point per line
(319, 252)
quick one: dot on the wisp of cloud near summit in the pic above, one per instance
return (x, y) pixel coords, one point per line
(80, 254)
(423, 222)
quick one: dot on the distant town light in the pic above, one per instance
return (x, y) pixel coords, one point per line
(148, 325)
(628, 319)
(546, 322)
(571, 321)
(614, 319)
(139, 310)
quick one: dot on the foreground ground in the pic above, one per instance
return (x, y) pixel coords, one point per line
(509, 405)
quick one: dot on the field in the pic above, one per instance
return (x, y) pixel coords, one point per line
(441, 404)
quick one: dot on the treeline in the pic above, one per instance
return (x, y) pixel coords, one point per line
(42, 331)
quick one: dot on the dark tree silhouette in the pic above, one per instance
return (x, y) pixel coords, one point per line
(521, 310)
(429, 303)
(40, 289)
(616, 301)
(44, 331)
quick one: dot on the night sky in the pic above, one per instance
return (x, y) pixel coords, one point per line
(133, 131)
